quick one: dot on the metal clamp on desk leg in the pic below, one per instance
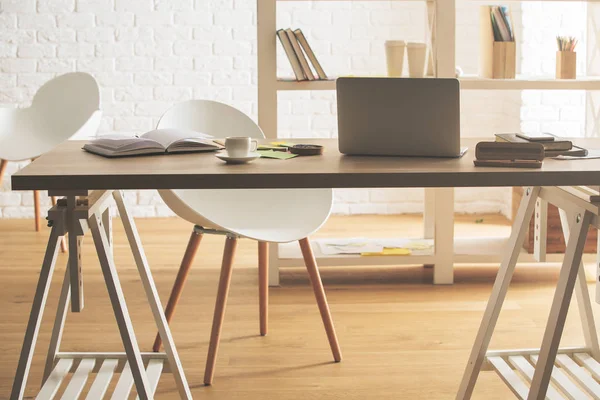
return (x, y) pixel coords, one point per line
(68, 207)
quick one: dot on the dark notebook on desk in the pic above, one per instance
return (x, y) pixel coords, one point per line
(556, 147)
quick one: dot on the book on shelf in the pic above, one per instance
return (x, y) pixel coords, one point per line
(310, 54)
(158, 141)
(291, 54)
(501, 24)
(299, 53)
(556, 147)
(303, 62)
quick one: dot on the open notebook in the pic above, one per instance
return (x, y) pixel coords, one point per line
(159, 141)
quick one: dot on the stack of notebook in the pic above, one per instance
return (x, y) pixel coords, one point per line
(300, 53)
(506, 154)
(524, 150)
(553, 145)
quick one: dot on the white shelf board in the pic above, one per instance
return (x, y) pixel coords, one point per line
(492, 2)
(500, 2)
(289, 84)
(466, 251)
(357, 0)
(525, 83)
(472, 83)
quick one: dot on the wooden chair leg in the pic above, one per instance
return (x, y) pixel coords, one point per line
(263, 286)
(36, 205)
(63, 242)
(317, 284)
(222, 293)
(182, 274)
(3, 164)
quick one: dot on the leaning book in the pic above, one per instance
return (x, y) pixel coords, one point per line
(159, 141)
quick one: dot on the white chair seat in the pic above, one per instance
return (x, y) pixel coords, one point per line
(276, 215)
(65, 106)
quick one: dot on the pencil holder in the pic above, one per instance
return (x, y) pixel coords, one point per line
(566, 65)
(503, 60)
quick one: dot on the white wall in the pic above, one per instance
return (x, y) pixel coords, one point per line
(149, 54)
(557, 111)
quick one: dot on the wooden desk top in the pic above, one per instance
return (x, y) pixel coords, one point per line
(70, 168)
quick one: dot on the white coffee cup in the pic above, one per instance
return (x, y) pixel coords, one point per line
(394, 56)
(240, 146)
(417, 53)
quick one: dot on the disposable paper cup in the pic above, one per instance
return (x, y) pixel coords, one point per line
(394, 55)
(417, 53)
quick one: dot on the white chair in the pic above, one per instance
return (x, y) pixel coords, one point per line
(274, 216)
(62, 107)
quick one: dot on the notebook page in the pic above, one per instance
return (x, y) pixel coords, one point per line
(167, 137)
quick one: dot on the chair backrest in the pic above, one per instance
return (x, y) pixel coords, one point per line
(221, 208)
(210, 117)
(62, 107)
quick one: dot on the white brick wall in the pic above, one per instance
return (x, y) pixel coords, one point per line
(554, 111)
(149, 54)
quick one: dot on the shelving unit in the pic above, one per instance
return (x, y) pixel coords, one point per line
(439, 203)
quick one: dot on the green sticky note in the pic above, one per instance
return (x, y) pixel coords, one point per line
(280, 155)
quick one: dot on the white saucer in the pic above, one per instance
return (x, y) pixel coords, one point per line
(223, 155)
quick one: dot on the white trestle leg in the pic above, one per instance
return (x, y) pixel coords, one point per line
(73, 371)
(549, 372)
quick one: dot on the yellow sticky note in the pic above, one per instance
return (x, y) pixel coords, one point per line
(389, 252)
(282, 144)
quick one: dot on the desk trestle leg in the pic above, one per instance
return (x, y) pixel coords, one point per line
(75, 238)
(560, 305)
(142, 369)
(492, 311)
(59, 324)
(529, 372)
(117, 300)
(153, 299)
(584, 304)
(37, 310)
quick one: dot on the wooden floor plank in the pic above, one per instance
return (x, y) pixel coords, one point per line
(401, 336)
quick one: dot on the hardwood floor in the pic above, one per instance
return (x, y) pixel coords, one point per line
(402, 337)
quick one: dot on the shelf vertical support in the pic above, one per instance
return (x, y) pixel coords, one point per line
(592, 97)
(540, 230)
(266, 26)
(429, 214)
(429, 194)
(445, 66)
(267, 66)
(592, 66)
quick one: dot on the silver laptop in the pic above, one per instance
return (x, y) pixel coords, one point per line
(399, 117)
